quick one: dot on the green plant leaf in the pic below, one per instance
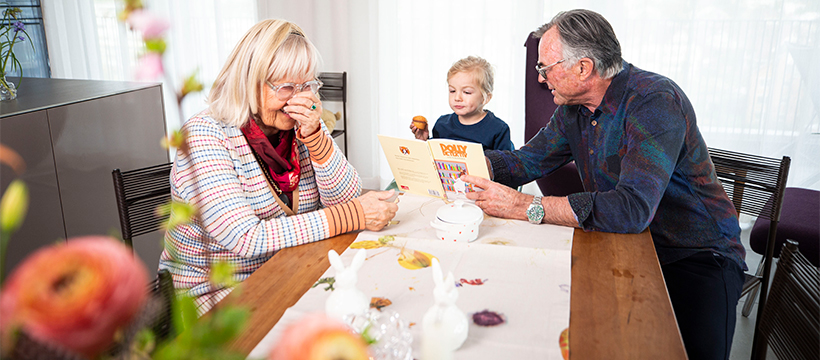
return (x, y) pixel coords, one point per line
(368, 339)
(13, 206)
(226, 324)
(155, 45)
(222, 274)
(180, 213)
(175, 139)
(144, 343)
(208, 337)
(330, 280)
(191, 85)
(184, 309)
(29, 40)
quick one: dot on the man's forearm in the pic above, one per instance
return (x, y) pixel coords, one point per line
(557, 211)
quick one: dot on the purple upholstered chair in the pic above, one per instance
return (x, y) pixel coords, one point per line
(538, 109)
(799, 221)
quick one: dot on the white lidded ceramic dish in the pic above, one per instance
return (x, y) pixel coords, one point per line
(458, 221)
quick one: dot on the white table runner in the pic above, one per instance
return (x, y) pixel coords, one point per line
(528, 283)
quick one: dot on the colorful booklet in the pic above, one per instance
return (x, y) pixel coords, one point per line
(432, 167)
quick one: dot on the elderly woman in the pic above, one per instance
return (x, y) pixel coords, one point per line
(261, 168)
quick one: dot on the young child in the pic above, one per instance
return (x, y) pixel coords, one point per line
(471, 87)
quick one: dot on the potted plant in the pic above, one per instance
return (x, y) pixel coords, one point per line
(12, 31)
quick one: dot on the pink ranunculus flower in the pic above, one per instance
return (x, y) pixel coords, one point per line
(319, 337)
(150, 25)
(149, 67)
(76, 294)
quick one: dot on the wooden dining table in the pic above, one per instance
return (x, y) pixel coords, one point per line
(619, 306)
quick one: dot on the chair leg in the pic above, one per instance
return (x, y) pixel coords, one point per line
(750, 301)
(752, 295)
(759, 342)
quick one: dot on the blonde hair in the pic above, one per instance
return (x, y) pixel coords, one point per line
(271, 49)
(481, 70)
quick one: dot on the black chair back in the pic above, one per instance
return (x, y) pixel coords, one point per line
(139, 192)
(335, 89)
(790, 322)
(756, 185)
(538, 110)
(163, 289)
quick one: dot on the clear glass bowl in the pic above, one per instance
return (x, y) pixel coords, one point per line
(393, 340)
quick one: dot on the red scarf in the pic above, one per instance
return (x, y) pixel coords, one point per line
(282, 160)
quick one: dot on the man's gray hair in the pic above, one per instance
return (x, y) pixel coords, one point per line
(587, 34)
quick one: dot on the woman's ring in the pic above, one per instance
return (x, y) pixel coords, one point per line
(313, 107)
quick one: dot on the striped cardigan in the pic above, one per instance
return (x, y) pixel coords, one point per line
(244, 219)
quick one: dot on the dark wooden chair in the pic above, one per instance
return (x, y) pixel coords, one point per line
(335, 89)
(139, 192)
(538, 109)
(799, 221)
(756, 185)
(790, 321)
(162, 289)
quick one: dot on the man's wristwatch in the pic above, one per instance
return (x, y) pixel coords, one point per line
(535, 212)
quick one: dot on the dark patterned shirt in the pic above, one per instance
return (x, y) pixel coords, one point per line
(643, 163)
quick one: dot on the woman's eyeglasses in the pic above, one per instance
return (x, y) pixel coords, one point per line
(287, 90)
(544, 70)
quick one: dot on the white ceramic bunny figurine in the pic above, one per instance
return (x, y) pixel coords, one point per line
(444, 320)
(346, 299)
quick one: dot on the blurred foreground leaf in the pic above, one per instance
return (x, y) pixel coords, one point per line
(177, 140)
(155, 45)
(191, 85)
(180, 213)
(207, 337)
(222, 274)
(184, 313)
(13, 206)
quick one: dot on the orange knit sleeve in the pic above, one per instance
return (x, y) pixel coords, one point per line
(319, 145)
(344, 218)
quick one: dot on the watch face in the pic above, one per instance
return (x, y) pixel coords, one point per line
(535, 213)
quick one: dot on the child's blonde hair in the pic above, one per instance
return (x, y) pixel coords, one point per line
(481, 70)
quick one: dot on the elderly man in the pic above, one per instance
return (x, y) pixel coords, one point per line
(634, 138)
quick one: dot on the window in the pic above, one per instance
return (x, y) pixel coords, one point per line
(34, 61)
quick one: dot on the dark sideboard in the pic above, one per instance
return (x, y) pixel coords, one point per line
(72, 134)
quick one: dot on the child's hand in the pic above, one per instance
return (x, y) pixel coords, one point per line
(419, 133)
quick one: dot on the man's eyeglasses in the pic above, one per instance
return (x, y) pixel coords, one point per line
(287, 90)
(544, 70)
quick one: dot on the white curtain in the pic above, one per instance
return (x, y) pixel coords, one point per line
(397, 54)
(749, 68)
(71, 36)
